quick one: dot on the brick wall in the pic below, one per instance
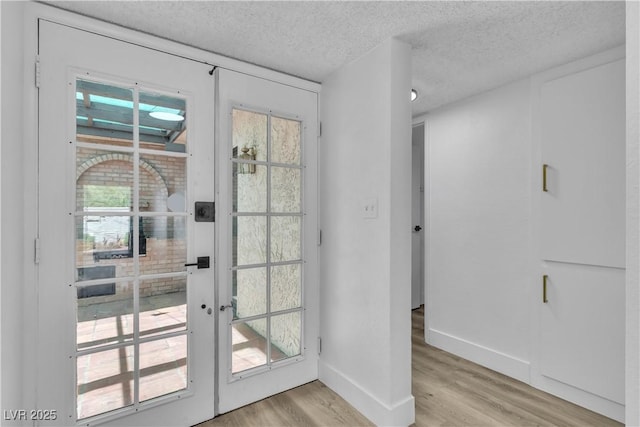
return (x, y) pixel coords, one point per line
(165, 236)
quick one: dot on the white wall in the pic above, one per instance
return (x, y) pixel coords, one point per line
(11, 155)
(479, 153)
(632, 373)
(366, 262)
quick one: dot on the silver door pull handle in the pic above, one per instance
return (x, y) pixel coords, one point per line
(224, 307)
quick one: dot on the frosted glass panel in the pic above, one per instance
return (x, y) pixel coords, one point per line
(249, 240)
(249, 292)
(286, 287)
(285, 238)
(285, 335)
(249, 188)
(285, 190)
(285, 137)
(266, 200)
(250, 133)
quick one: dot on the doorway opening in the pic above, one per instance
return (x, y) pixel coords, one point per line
(418, 216)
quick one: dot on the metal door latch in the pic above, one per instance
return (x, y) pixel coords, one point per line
(205, 211)
(203, 262)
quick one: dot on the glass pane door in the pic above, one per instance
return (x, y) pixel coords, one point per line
(131, 246)
(124, 327)
(268, 278)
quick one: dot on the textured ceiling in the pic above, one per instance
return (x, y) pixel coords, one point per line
(460, 48)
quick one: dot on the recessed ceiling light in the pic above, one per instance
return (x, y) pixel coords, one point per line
(170, 117)
(414, 95)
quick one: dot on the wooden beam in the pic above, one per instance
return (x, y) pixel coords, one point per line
(123, 115)
(118, 134)
(124, 94)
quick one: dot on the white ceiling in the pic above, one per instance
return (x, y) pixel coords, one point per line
(459, 48)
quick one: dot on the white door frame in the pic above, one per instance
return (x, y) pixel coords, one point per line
(426, 228)
(417, 219)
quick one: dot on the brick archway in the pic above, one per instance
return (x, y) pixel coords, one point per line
(122, 157)
(153, 187)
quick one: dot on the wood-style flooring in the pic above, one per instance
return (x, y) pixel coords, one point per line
(448, 390)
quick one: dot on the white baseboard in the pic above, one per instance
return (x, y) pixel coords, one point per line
(484, 356)
(521, 370)
(400, 413)
(608, 408)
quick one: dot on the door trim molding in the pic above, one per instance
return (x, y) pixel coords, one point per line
(417, 121)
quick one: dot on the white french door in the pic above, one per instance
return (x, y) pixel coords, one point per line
(125, 327)
(267, 248)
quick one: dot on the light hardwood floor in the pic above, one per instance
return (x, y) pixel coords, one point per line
(449, 391)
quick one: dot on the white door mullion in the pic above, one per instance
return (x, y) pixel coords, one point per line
(268, 266)
(136, 246)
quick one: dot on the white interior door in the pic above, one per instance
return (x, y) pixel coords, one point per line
(267, 253)
(582, 328)
(125, 329)
(582, 126)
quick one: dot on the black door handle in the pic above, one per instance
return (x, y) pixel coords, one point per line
(417, 228)
(203, 262)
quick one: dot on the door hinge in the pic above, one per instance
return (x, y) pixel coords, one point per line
(319, 237)
(319, 345)
(319, 129)
(37, 82)
(36, 251)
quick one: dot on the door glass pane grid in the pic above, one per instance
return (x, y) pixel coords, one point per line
(130, 224)
(266, 266)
